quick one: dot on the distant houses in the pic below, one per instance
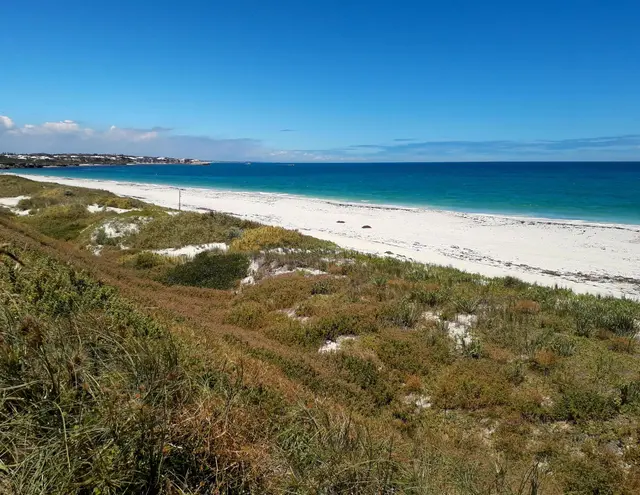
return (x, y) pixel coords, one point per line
(36, 160)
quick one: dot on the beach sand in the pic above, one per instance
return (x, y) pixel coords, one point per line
(586, 257)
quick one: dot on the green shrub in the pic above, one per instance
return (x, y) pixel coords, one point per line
(63, 222)
(428, 294)
(513, 282)
(353, 319)
(146, 260)
(615, 315)
(563, 345)
(592, 473)
(43, 199)
(322, 287)
(12, 186)
(620, 320)
(409, 354)
(233, 233)
(211, 270)
(471, 384)
(281, 292)
(364, 373)
(26, 204)
(250, 315)
(630, 393)
(291, 331)
(101, 238)
(466, 300)
(582, 404)
(122, 203)
(6, 212)
(402, 313)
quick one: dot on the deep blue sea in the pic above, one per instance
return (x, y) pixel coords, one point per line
(604, 191)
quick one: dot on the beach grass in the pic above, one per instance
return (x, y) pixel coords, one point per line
(433, 380)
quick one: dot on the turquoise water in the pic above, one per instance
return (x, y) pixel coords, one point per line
(604, 191)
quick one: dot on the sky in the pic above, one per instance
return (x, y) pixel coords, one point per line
(328, 80)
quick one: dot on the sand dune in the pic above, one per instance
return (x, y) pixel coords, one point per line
(586, 257)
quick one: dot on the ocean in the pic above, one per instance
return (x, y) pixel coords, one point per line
(593, 191)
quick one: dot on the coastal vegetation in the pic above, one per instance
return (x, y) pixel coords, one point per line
(279, 363)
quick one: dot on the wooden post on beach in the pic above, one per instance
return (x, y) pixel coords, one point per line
(179, 199)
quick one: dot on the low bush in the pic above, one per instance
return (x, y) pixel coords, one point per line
(404, 313)
(101, 238)
(365, 373)
(250, 315)
(233, 233)
(44, 199)
(146, 260)
(582, 404)
(466, 299)
(591, 314)
(593, 473)
(281, 292)
(63, 222)
(527, 306)
(407, 354)
(171, 231)
(323, 287)
(262, 238)
(545, 359)
(291, 331)
(513, 282)
(428, 294)
(122, 203)
(562, 345)
(351, 319)
(211, 270)
(413, 384)
(318, 306)
(630, 393)
(12, 186)
(471, 384)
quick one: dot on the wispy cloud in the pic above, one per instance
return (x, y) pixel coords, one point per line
(287, 130)
(71, 136)
(367, 146)
(402, 149)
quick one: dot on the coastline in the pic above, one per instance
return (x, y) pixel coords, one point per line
(588, 257)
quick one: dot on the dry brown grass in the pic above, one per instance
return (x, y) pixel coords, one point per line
(527, 306)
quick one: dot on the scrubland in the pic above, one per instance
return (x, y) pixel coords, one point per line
(283, 364)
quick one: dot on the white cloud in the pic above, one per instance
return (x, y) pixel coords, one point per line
(136, 135)
(62, 126)
(5, 122)
(68, 136)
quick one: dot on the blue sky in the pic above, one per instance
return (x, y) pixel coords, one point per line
(323, 80)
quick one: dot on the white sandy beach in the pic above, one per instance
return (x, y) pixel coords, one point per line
(586, 257)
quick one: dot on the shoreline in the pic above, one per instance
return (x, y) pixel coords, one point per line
(588, 257)
(336, 201)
